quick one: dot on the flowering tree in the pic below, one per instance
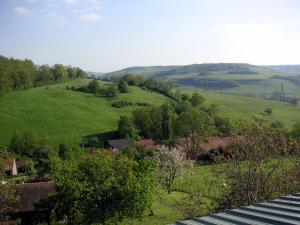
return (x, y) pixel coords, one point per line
(171, 163)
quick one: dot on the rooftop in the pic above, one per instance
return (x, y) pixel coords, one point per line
(283, 211)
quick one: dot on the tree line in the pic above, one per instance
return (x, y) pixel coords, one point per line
(18, 74)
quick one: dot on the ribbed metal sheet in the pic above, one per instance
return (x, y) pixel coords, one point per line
(282, 211)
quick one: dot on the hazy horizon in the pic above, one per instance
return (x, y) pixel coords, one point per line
(107, 35)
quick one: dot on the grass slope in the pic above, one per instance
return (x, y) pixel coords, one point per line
(240, 107)
(63, 115)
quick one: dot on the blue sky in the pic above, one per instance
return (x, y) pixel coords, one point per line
(105, 35)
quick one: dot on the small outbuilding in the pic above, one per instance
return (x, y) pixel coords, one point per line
(118, 144)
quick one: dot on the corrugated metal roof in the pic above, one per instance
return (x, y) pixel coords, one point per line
(283, 211)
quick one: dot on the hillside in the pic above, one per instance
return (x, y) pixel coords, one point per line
(64, 115)
(231, 78)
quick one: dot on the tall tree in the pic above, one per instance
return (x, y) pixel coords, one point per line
(194, 126)
(45, 75)
(127, 129)
(60, 73)
(167, 120)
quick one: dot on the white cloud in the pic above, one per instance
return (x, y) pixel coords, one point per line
(70, 2)
(90, 17)
(21, 10)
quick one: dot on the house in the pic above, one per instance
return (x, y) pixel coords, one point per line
(13, 166)
(148, 143)
(117, 145)
(31, 197)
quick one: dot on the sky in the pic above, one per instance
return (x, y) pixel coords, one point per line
(106, 35)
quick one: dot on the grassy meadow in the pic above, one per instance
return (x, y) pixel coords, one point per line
(240, 107)
(63, 115)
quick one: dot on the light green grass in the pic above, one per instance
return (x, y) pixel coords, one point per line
(64, 115)
(240, 107)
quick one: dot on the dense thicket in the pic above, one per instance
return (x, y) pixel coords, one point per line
(18, 74)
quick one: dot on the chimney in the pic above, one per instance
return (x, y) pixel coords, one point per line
(14, 171)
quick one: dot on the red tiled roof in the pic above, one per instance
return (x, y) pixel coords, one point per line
(32, 193)
(146, 142)
(10, 160)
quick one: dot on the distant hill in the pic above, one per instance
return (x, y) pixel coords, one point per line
(234, 78)
(286, 68)
(165, 71)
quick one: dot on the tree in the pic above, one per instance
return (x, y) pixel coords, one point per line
(167, 113)
(59, 72)
(224, 126)
(268, 111)
(197, 99)
(94, 86)
(149, 122)
(194, 126)
(127, 129)
(44, 75)
(116, 187)
(123, 86)
(64, 151)
(171, 162)
(9, 201)
(111, 91)
(23, 144)
(72, 72)
(80, 73)
(258, 171)
(295, 132)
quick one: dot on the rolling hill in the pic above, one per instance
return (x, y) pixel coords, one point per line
(63, 115)
(231, 78)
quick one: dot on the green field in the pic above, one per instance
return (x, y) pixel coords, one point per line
(240, 107)
(64, 115)
(219, 78)
(169, 208)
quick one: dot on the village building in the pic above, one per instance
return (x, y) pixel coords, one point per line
(13, 166)
(117, 145)
(148, 143)
(31, 205)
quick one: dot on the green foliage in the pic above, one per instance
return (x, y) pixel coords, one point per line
(197, 99)
(224, 126)
(59, 72)
(194, 121)
(138, 152)
(9, 201)
(23, 74)
(296, 131)
(167, 118)
(123, 86)
(93, 86)
(103, 189)
(111, 91)
(134, 80)
(257, 171)
(127, 129)
(149, 122)
(26, 145)
(268, 111)
(182, 106)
